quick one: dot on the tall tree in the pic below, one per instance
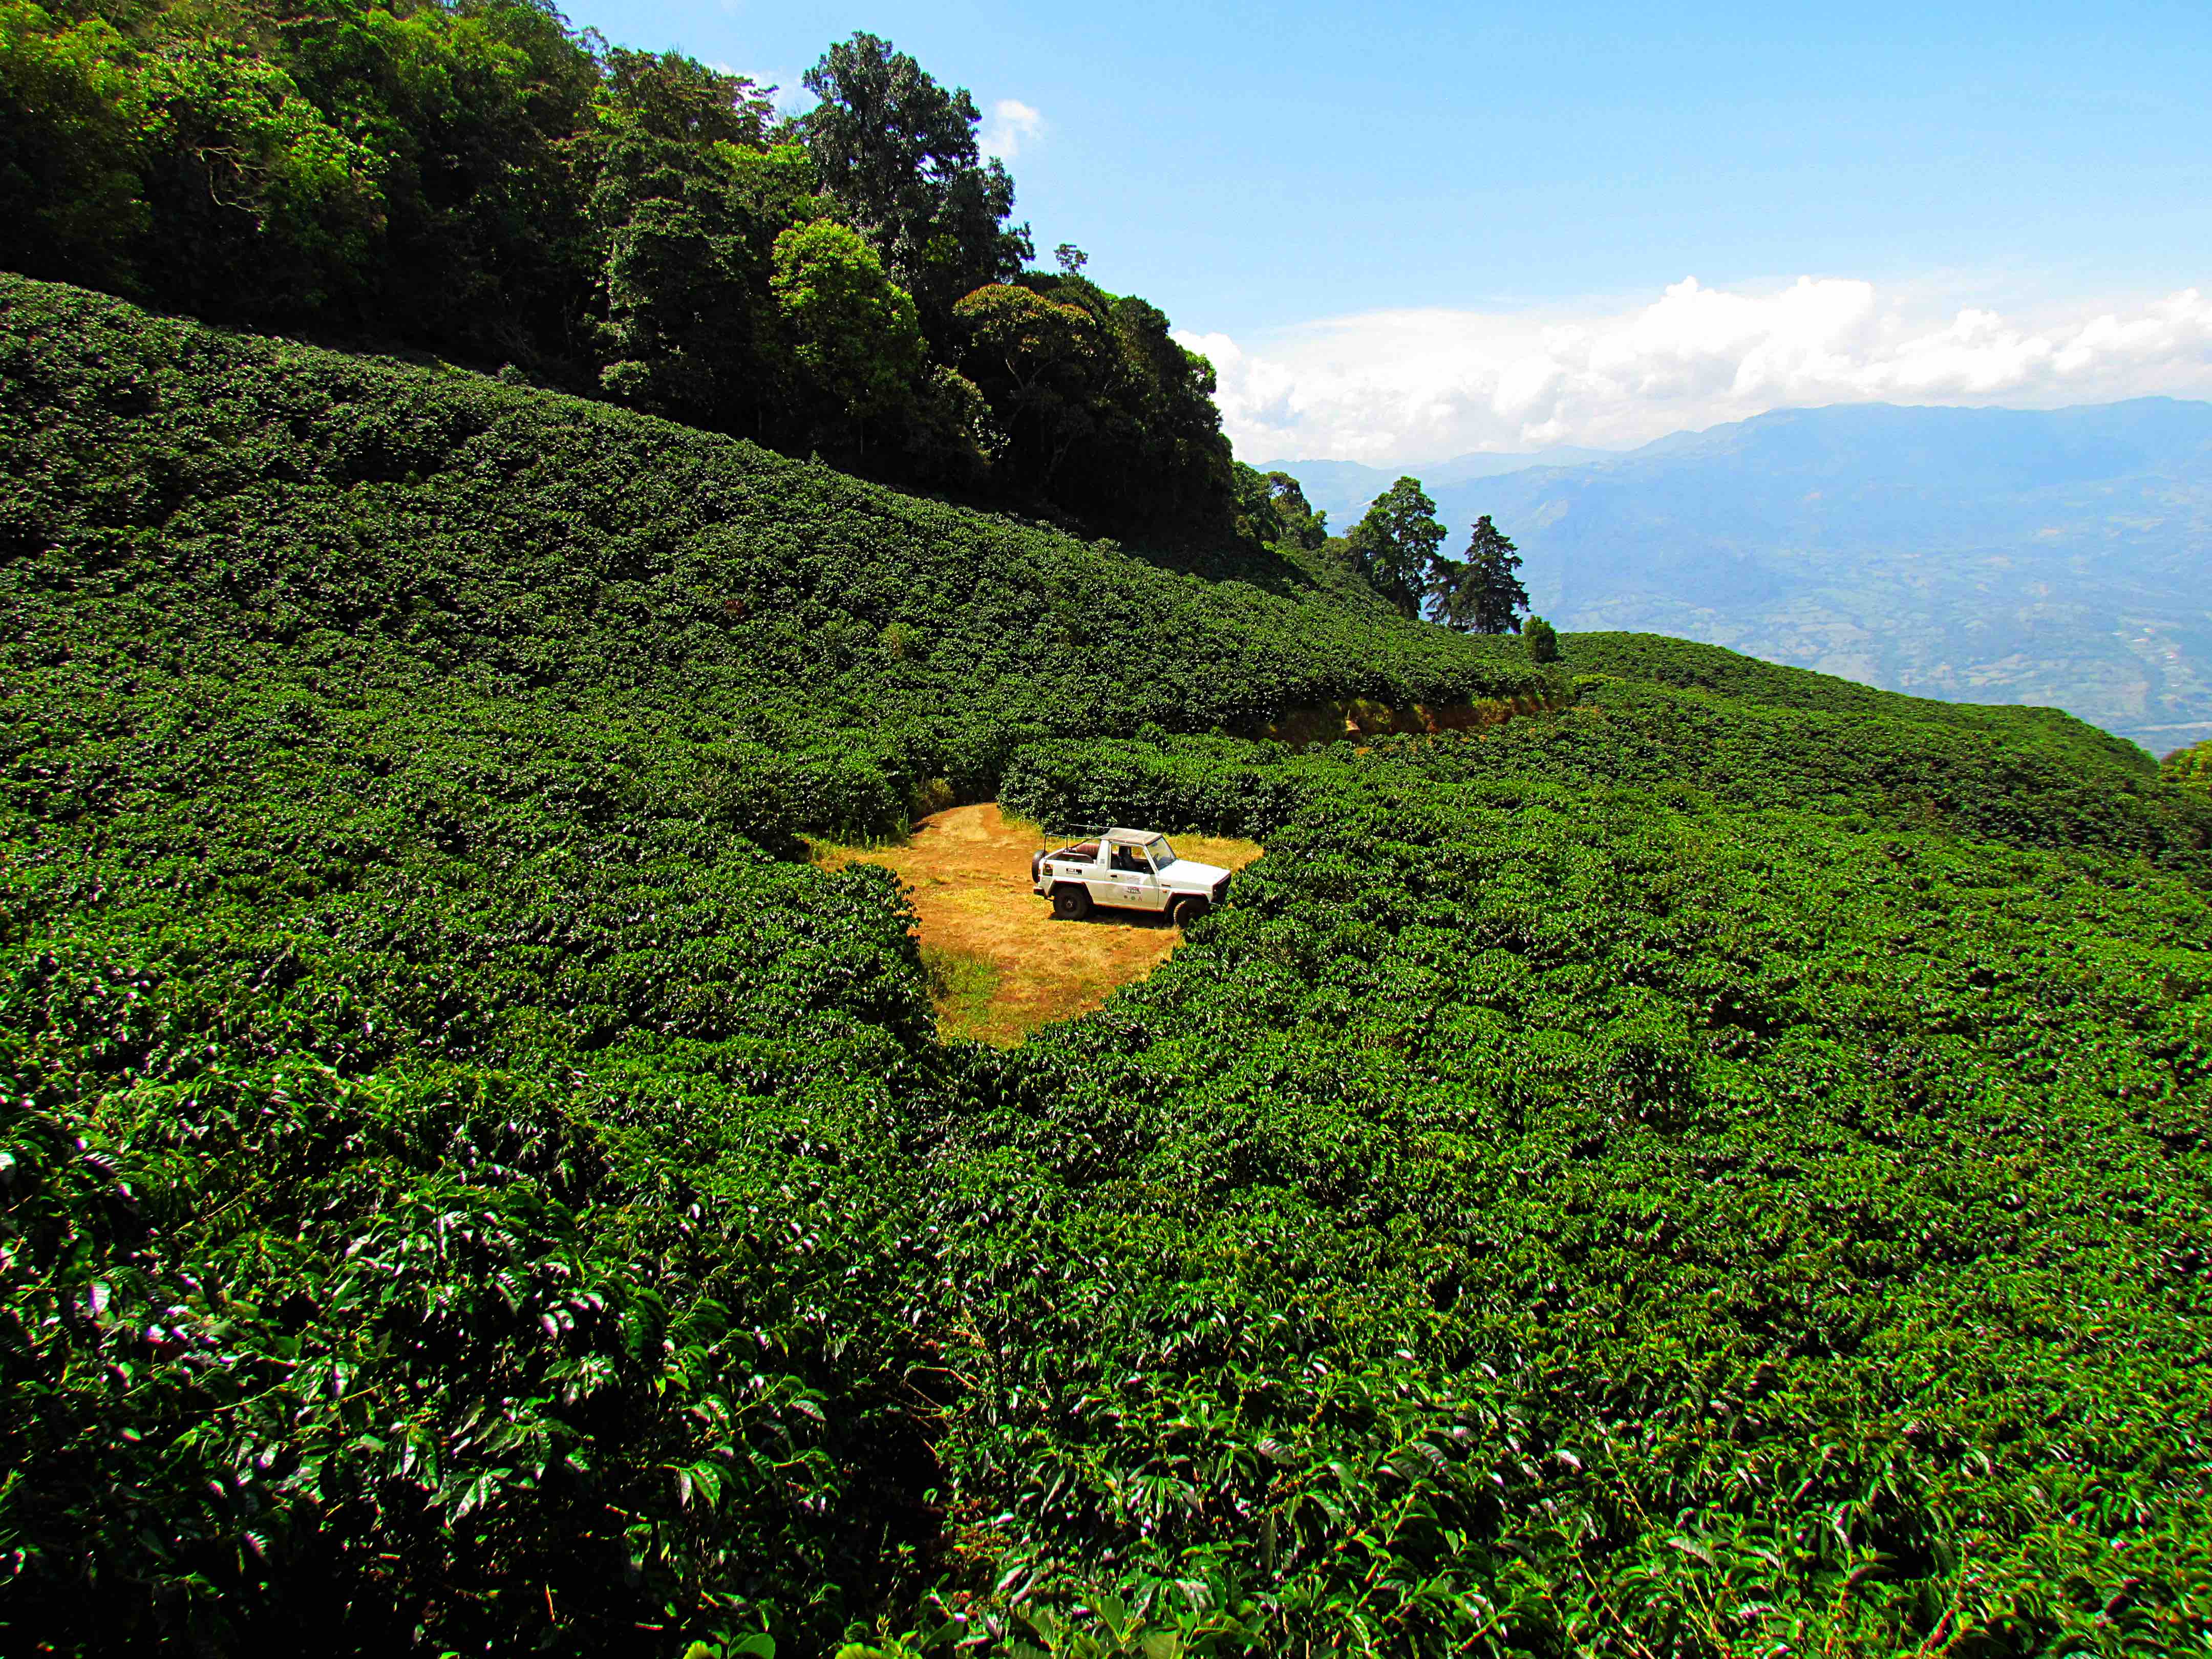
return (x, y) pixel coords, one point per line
(267, 208)
(71, 156)
(668, 96)
(683, 257)
(1303, 523)
(482, 113)
(1394, 546)
(898, 153)
(1272, 508)
(1035, 359)
(853, 326)
(1479, 594)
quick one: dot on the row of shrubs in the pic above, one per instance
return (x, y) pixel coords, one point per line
(421, 1037)
(2056, 783)
(374, 522)
(1686, 1173)
(1590, 1195)
(2191, 767)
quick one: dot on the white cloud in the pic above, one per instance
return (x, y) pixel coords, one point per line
(1408, 386)
(1012, 123)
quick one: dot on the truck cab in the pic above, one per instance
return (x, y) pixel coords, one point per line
(1127, 869)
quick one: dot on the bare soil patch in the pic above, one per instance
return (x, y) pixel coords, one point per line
(1000, 966)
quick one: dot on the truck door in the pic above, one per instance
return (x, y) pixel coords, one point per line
(1128, 881)
(1157, 893)
(1105, 881)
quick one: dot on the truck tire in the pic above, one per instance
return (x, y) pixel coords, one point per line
(1185, 911)
(1070, 902)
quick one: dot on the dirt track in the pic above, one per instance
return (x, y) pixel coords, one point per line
(970, 871)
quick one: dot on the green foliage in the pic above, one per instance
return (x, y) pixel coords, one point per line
(388, 752)
(853, 327)
(1543, 640)
(480, 179)
(448, 522)
(683, 226)
(2190, 768)
(899, 153)
(1711, 668)
(1030, 356)
(1639, 1154)
(69, 115)
(1098, 408)
(1479, 594)
(1986, 783)
(1394, 546)
(1272, 507)
(361, 167)
(1720, 1168)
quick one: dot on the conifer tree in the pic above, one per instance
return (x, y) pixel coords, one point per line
(1479, 594)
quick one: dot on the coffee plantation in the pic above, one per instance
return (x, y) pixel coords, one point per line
(1717, 1167)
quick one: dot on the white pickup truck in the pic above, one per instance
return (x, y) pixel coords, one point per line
(1129, 870)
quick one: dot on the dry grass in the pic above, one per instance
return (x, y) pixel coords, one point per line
(999, 965)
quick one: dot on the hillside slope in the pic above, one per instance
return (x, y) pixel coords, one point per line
(1719, 1167)
(376, 522)
(1689, 667)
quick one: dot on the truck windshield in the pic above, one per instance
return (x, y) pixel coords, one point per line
(1163, 855)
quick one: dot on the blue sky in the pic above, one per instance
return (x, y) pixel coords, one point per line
(1405, 231)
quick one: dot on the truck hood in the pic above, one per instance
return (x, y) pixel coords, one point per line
(1189, 872)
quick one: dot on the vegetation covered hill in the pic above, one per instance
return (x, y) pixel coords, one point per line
(1721, 1168)
(362, 525)
(474, 176)
(1692, 667)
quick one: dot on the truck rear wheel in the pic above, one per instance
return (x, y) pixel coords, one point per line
(1069, 903)
(1185, 911)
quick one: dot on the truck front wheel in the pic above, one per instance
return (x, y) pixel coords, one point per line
(1069, 903)
(1187, 910)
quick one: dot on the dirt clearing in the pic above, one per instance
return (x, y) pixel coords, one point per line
(999, 965)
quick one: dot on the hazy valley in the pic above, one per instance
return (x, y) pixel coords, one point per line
(1993, 556)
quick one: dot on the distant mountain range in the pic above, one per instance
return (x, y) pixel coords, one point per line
(2060, 556)
(1343, 488)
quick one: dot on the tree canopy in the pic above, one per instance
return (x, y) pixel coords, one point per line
(1479, 594)
(898, 152)
(1276, 504)
(853, 326)
(1395, 545)
(474, 178)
